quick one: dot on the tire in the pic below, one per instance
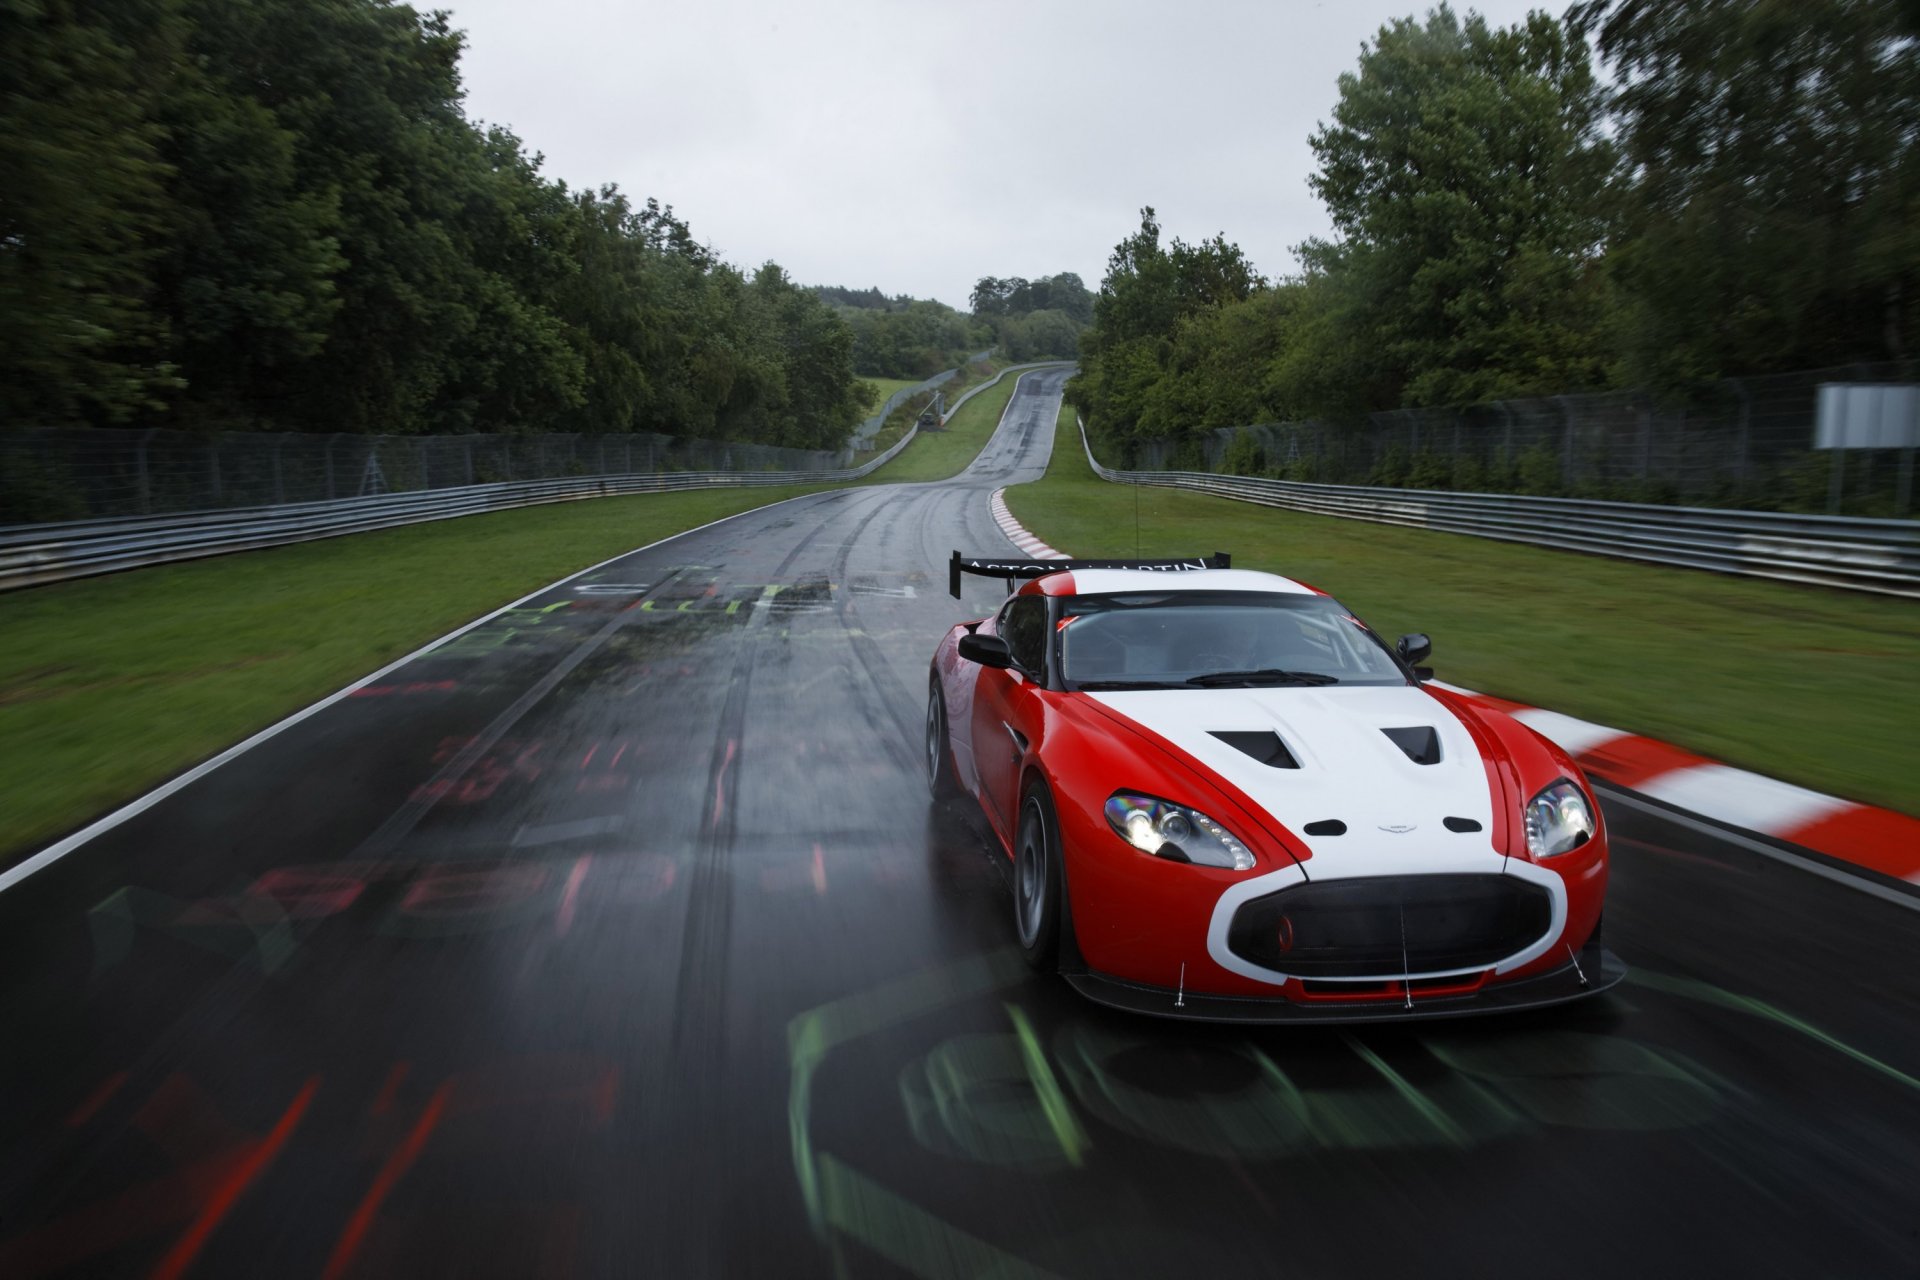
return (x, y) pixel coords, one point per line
(939, 747)
(1038, 881)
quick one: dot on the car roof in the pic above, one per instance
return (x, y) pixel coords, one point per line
(1084, 582)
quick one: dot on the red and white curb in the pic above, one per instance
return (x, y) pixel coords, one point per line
(1017, 534)
(1879, 840)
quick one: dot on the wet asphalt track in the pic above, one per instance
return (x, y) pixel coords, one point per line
(617, 938)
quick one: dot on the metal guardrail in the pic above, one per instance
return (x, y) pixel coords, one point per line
(1856, 554)
(32, 555)
(36, 554)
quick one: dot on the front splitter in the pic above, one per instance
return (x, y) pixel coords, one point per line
(1598, 970)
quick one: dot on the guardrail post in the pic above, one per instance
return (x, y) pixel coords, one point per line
(1646, 436)
(1741, 434)
(1566, 448)
(140, 471)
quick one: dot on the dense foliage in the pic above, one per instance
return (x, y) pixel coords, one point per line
(275, 214)
(1034, 319)
(903, 337)
(1744, 199)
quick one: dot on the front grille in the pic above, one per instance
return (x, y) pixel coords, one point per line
(1390, 924)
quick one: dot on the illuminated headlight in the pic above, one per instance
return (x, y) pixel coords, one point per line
(1558, 820)
(1175, 832)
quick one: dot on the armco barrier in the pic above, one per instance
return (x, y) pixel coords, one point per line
(32, 555)
(1881, 556)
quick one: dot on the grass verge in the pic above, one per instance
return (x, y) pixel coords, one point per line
(1808, 685)
(110, 685)
(942, 454)
(887, 387)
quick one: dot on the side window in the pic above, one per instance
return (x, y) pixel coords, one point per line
(1024, 624)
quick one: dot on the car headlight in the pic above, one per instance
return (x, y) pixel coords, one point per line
(1558, 820)
(1175, 832)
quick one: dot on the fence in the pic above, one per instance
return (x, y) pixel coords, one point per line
(33, 554)
(1881, 556)
(1747, 443)
(102, 473)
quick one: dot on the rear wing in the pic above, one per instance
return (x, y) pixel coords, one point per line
(1013, 570)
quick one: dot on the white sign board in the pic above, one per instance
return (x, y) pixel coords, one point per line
(1863, 415)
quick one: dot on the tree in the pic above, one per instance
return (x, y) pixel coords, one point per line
(1464, 170)
(1151, 296)
(82, 209)
(1773, 217)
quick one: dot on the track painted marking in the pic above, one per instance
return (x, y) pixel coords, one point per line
(383, 1184)
(181, 1256)
(134, 808)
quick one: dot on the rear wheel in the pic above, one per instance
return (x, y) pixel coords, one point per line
(940, 779)
(1038, 881)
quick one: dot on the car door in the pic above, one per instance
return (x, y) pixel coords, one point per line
(1004, 705)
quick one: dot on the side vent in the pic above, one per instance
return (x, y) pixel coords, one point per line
(1420, 742)
(1263, 745)
(1326, 827)
(1460, 824)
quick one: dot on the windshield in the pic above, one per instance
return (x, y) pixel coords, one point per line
(1212, 639)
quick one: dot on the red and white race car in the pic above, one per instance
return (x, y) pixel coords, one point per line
(1226, 798)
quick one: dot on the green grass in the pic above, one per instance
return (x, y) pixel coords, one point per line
(109, 685)
(1813, 686)
(887, 387)
(940, 455)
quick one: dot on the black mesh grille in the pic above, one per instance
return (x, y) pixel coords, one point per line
(1357, 928)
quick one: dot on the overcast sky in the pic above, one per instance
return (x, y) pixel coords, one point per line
(919, 146)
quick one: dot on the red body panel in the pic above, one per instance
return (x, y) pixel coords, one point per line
(1144, 919)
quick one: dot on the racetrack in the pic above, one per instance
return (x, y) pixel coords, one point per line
(617, 936)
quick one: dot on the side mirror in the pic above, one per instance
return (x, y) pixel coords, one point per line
(1414, 649)
(988, 651)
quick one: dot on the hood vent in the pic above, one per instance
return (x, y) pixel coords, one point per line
(1263, 745)
(1326, 827)
(1421, 743)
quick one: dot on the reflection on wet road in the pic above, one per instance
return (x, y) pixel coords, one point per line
(617, 936)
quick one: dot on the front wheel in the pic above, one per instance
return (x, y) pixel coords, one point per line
(1038, 880)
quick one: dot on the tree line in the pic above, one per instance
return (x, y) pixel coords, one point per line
(275, 214)
(1035, 319)
(902, 336)
(1742, 197)
(906, 337)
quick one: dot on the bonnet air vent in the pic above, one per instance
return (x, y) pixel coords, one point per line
(1326, 827)
(1460, 824)
(1263, 745)
(1421, 743)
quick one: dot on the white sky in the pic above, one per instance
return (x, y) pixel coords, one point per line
(920, 145)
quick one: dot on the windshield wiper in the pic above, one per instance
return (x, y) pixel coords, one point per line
(1262, 675)
(1121, 684)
